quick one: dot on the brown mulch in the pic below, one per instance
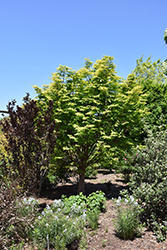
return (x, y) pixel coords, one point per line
(105, 237)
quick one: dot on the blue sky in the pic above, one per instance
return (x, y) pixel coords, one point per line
(36, 36)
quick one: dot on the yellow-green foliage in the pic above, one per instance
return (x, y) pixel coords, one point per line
(98, 114)
(2, 144)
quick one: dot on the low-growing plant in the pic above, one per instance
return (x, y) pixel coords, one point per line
(106, 229)
(19, 246)
(104, 242)
(27, 206)
(56, 230)
(83, 242)
(64, 221)
(127, 224)
(92, 218)
(95, 200)
(78, 200)
(58, 226)
(148, 182)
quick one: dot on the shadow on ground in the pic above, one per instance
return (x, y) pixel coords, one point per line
(111, 186)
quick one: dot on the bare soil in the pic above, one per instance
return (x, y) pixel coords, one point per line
(105, 236)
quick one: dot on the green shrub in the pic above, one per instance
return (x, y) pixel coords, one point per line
(126, 165)
(125, 168)
(78, 200)
(95, 200)
(149, 180)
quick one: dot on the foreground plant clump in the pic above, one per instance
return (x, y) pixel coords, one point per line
(17, 215)
(127, 224)
(64, 221)
(58, 225)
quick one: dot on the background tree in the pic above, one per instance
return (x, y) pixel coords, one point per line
(30, 139)
(97, 114)
(149, 75)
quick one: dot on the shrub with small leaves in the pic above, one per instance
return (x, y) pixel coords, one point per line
(149, 180)
(159, 228)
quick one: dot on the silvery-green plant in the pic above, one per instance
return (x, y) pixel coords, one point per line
(127, 224)
(63, 222)
(55, 229)
(92, 218)
(27, 206)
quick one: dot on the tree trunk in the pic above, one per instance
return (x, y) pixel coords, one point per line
(81, 184)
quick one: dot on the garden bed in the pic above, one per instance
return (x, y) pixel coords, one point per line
(104, 237)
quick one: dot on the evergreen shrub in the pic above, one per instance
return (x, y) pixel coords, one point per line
(148, 182)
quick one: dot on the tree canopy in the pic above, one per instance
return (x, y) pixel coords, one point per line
(97, 114)
(150, 76)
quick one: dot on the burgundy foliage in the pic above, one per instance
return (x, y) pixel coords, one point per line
(31, 138)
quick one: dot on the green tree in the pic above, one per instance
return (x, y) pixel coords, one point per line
(97, 115)
(149, 75)
(165, 63)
